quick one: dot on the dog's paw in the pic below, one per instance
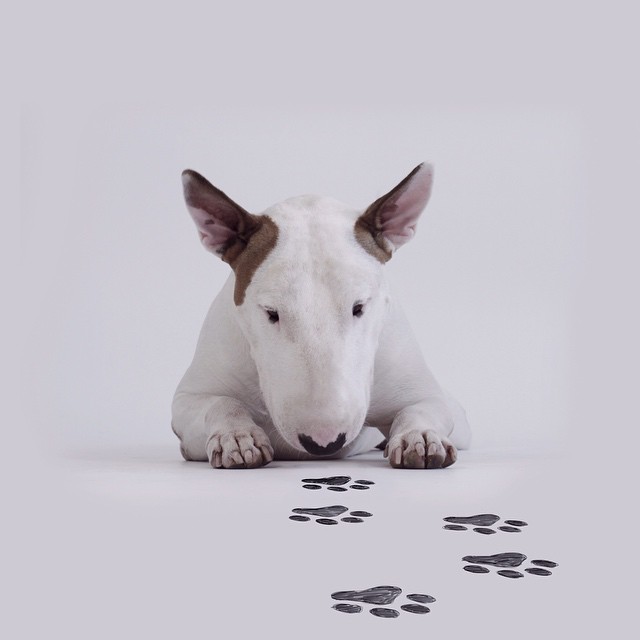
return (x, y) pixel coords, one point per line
(239, 449)
(418, 449)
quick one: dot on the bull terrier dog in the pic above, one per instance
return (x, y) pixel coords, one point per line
(304, 353)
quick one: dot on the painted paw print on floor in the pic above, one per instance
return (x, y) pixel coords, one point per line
(384, 595)
(328, 515)
(336, 483)
(483, 522)
(506, 562)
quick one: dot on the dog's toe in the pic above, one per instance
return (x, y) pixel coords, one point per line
(418, 449)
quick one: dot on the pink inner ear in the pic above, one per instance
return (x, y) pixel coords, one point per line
(218, 219)
(213, 234)
(399, 215)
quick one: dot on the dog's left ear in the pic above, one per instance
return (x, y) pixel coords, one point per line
(224, 226)
(391, 220)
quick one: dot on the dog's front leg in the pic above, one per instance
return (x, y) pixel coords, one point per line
(418, 437)
(219, 429)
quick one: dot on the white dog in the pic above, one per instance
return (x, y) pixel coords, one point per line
(304, 350)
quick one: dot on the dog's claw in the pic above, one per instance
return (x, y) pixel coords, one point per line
(267, 454)
(452, 456)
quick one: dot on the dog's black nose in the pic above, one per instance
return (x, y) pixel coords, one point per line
(314, 448)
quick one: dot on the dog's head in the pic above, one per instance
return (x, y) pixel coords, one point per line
(310, 297)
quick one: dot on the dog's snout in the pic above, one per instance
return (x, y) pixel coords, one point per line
(314, 448)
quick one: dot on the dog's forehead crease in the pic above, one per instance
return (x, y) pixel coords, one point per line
(317, 280)
(313, 219)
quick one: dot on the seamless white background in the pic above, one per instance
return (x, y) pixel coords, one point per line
(521, 285)
(527, 249)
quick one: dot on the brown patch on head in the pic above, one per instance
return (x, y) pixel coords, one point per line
(247, 251)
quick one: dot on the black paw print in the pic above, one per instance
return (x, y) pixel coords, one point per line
(336, 483)
(328, 515)
(483, 521)
(507, 562)
(381, 595)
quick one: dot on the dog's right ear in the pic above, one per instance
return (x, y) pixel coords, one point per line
(391, 220)
(225, 227)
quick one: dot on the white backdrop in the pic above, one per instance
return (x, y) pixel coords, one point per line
(526, 306)
(526, 310)
(124, 284)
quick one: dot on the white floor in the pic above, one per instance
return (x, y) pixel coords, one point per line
(143, 545)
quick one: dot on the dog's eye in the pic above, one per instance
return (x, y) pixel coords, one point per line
(358, 309)
(272, 315)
